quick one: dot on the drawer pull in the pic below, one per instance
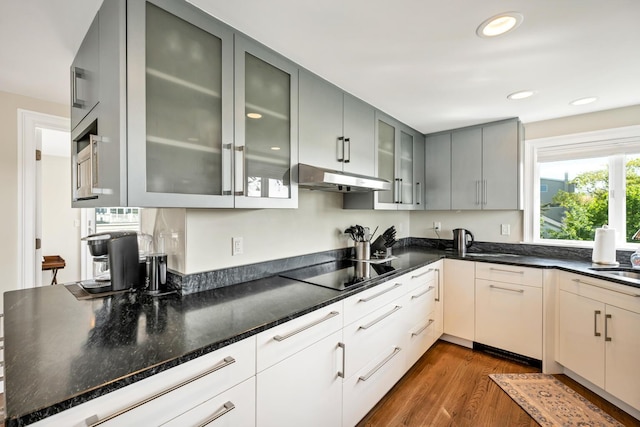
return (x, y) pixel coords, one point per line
(373, 322)
(606, 327)
(419, 331)
(94, 420)
(304, 328)
(429, 289)
(629, 294)
(380, 365)
(438, 297)
(506, 271)
(422, 274)
(226, 408)
(374, 296)
(595, 323)
(520, 291)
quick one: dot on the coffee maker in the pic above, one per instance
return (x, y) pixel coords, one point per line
(116, 259)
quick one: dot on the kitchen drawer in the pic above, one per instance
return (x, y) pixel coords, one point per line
(509, 317)
(509, 274)
(422, 300)
(363, 390)
(623, 296)
(234, 407)
(280, 342)
(229, 366)
(365, 302)
(423, 275)
(373, 333)
(420, 336)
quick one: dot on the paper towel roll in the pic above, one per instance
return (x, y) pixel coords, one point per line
(604, 247)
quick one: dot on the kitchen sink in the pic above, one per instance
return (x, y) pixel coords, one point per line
(628, 273)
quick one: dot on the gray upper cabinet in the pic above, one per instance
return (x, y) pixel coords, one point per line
(266, 128)
(85, 75)
(437, 180)
(485, 167)
(399, 159)
(336, 129)
(165, 133)
(180, 106)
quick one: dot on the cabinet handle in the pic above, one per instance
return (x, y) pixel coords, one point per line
(629, 294)
(76, 73)
(347, 145)
(396, 350)
(226, 169)
(304, 328)
(429, 289)
(438, 273)
(520, 291)
(595, 323)
(239, 170)
(367, 299)
(344, 356)
(93, 143)
(384, 316)
(419, 331)
(418, 194)
(477, 192)
(400, 191)
(94, 420)
(422, 274)
(226, 408)
(340, 149)
(484, 192)
(606, 327)
(506, 271)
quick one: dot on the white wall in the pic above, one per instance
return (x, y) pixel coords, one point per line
(269, 234)
(9, 105)
(485, 225)
(60, 222)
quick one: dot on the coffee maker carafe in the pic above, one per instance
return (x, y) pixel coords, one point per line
(461, 241)
(118, 250)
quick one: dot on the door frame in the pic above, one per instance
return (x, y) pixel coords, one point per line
(29, 138)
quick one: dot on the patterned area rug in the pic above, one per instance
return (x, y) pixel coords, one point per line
(550, 402)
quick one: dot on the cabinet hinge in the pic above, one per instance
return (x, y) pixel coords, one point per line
(38, 155)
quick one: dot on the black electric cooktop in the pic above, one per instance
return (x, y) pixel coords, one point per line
(339, 275)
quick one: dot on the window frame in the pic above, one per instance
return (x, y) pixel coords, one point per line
(613, 143)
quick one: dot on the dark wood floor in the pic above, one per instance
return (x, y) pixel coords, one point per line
(449, 386)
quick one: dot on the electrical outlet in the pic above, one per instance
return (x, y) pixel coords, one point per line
(237, 246)
(505, 229)
(437, 225)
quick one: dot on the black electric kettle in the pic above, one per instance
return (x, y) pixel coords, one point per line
(462, 239)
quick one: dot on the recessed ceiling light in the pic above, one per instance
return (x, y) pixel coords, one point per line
(521, 95)
(254, 115)
(275, 148)
(583, 101)
(499, 24)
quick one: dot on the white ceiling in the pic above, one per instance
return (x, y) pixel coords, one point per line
(417, 60)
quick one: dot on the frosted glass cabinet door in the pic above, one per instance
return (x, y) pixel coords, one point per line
(266, 128)
(386, 160)
(406, 168)
(180, 106)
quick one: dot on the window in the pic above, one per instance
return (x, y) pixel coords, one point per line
(583, 181)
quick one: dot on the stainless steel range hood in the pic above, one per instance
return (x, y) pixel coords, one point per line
(316, 178)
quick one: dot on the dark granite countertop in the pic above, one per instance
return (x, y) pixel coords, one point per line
(60, 352)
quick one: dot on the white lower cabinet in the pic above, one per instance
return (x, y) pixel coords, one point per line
(459, 299)
(598, 335)
(299, 368)
(169, 394)
(509, 317)
(304, 389)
